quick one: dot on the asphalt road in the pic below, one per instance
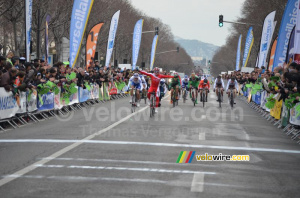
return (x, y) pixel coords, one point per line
(105, 151)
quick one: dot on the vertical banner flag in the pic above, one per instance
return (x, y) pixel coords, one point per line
(136, 41)
(91, 43)
(238, 54)
(28, 20)
(79, 18)
(153, 50)
(248, 46)
(46, 38)
(287, 24)
(272, 55)
(266, 37)
(297, 36)
(291, 48)
(111, 37)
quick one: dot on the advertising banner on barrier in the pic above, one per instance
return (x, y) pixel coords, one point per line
(285, 116)
(288, 22)
(293, 119)
(8, 104)
(101, 92)
(83, 94)
(79, 19)
(46, 102)
(95, 91)
(57, 102)
(30, 99)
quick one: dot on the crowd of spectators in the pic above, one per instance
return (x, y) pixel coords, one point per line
(286, 79)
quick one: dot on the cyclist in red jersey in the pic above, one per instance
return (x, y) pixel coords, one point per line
(155, 79)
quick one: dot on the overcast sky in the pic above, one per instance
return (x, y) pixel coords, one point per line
(194, 19)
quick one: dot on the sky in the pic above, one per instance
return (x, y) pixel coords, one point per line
(194, 19)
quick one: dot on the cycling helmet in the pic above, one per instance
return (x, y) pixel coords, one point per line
(136, 75)
(193, 75)
(205, 81)
(219, 76)
(186, 76)
(175, 74)
(162, 81)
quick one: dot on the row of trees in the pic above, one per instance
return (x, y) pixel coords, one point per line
(253, 12)
(12, 31)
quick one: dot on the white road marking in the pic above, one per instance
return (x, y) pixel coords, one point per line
(79, 142)
(126, 169)
(128, 161)
(66, 149)
(112, 179)
(197, 183)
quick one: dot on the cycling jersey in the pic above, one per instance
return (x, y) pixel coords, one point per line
(219, 83)
(202, 85)
(232, 84)
(136, 83)
(175, 82)
(194, 82)
(155, 79)
(185, 83)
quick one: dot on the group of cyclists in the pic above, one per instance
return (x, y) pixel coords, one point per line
(192, 85)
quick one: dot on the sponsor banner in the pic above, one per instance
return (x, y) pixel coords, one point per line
(266, 37)
(46, 37)
(285, 116)
(79, 18)
(291, 48)
(272, 55)
(293, 119)
(111, 37)
(30, 99)
(47, 102)
(287, 24)
(238, 54)
(91, 43)
(297, 36)
(95, 91)
(136, 41)
(8, 104)
(83, 94)
(248, 46)
(28, 19)
(57, 101)
(153, 51)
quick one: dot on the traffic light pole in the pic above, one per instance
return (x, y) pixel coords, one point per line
(240, 23)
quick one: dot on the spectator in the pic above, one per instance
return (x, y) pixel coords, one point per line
(8, 78)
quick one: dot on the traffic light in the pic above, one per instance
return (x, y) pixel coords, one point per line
(156, 30)
(177, 49)
(221, 20)
(209, 62)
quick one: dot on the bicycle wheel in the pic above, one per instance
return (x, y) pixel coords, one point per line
(219, 98)
(154, 104)
(231, 100)
(145, 97)
(151, 106)
(133, 104)
(203, 98)
(174, 99)
(184, 96)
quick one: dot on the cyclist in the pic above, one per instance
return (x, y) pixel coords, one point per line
(232, 84)
(219, 83)
(135, 82)
(155, 79)
(184, 84)
(193, 83)
(204, 84)
(175, 86)
(144, 83)
(162, 89)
